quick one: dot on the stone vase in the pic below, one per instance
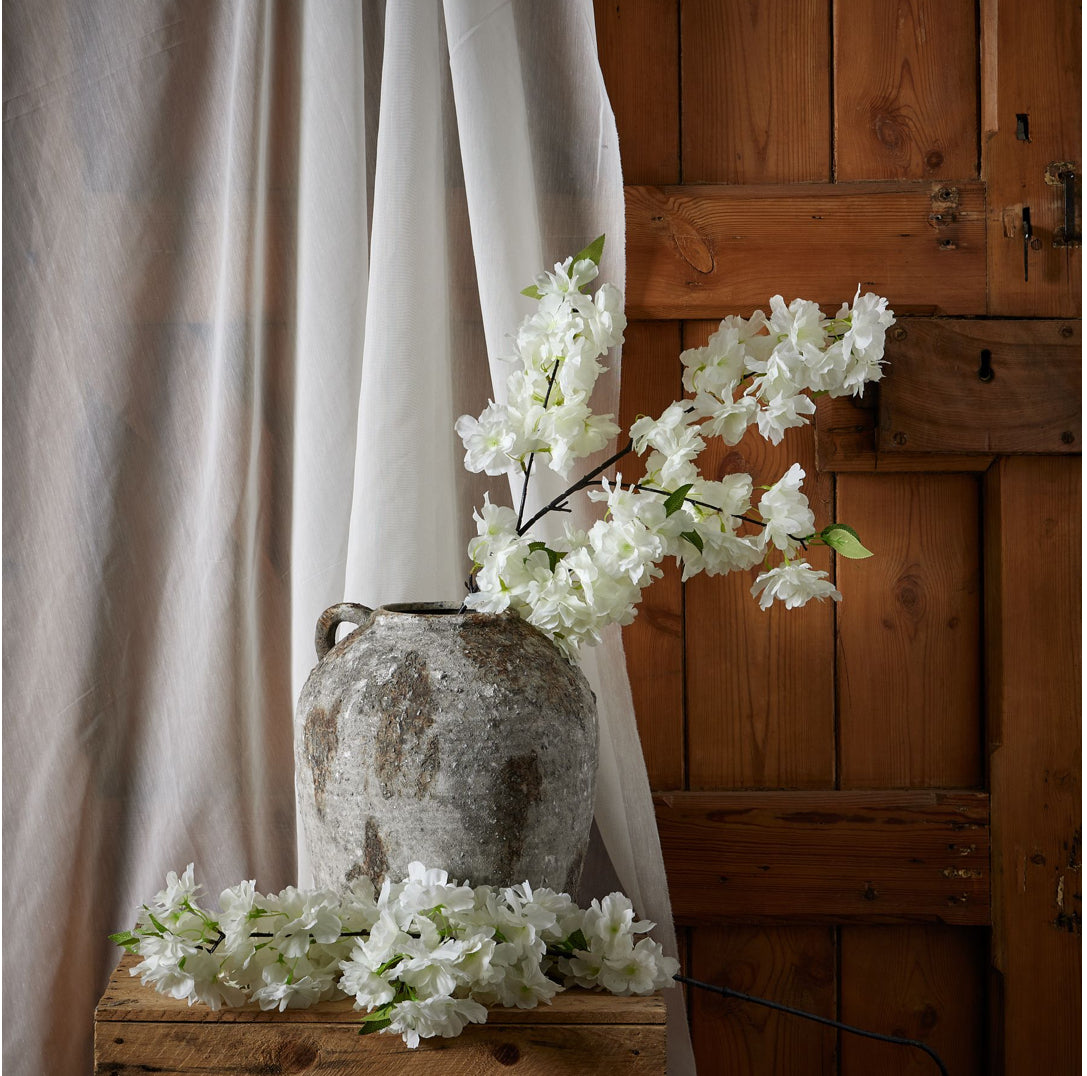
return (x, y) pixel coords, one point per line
(463, 740)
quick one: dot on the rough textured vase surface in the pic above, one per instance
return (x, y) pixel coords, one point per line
(463, 740)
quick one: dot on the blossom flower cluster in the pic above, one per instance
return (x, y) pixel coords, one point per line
(754, 372)
(421, 957)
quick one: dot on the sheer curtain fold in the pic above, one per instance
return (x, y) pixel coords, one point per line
(257, 258)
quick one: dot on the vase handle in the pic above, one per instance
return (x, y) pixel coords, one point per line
(332, 618)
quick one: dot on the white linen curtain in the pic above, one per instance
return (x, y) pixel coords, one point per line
(256, 256)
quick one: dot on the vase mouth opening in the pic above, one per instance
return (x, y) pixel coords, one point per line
(424, 608)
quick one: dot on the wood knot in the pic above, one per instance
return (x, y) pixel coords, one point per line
(506, 1053)
(287, 1057)
(691, 246)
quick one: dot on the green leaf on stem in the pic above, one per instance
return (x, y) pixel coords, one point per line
(127, 940)
(844, 539)
(377, 1019)
(674, 501)
(553, 557)
(694, 538)
(532, 292)
(372, 1026)
(577, 940)
(593, 252)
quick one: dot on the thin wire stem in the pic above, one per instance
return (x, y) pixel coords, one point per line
(726, 992)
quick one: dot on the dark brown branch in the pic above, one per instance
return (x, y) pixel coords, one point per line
(559, 503)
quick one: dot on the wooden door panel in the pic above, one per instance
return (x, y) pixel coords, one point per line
(924, 982)
(803, 149)
(794, 966)
(654, 642)
(969, 385)
(1034, 642)
(707, 251)
(905, 89)
(827, 857)
(1031, 69)
(638, 43)
(759, 687)
(741, 126)
(909, 629)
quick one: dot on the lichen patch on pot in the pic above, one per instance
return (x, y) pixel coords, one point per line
(321, 740)
(375, 863)
(406, 711)
(517, 794)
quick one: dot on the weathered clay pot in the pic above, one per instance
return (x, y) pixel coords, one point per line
(463, 740)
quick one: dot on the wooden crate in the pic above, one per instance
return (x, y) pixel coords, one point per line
(138, 1030)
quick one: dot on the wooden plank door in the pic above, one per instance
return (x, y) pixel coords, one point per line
(870, 811)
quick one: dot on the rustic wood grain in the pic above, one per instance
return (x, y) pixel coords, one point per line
(1034, 700)
(909, 631)
(653, 643)
(905, 89)
(756, 96)
(933, 400)
(127, 999)
(910, 619)
(186, 1049)
(638, 42)
(826, 857)
(760, 687)
(695, 252)
(139, 1030)
(1033, 69)
(787, 964)
(918, 982)
(846, 441)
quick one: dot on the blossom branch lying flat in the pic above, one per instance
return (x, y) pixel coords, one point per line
(755, 372)
(421, 957)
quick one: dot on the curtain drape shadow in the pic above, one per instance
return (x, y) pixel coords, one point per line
(257, 259)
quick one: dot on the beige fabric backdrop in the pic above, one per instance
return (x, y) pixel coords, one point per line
(256, 256)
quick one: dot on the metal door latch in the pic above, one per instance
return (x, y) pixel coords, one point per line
(1066, 175)
(1028, 235)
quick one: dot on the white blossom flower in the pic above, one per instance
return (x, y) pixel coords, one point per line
(432, 955)
(794, 583)
(612, 918)
(642, 969)
(305, 915)
(675, 434)
(569, 276)
(726, 418)
(488, 441)
(782, 413)
(753, 371)
(786, 512)
(285, 988)
(523, 986)
(424, 889)
(177, 893)
(801, 323)
(437, 1016)
(627, 547)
